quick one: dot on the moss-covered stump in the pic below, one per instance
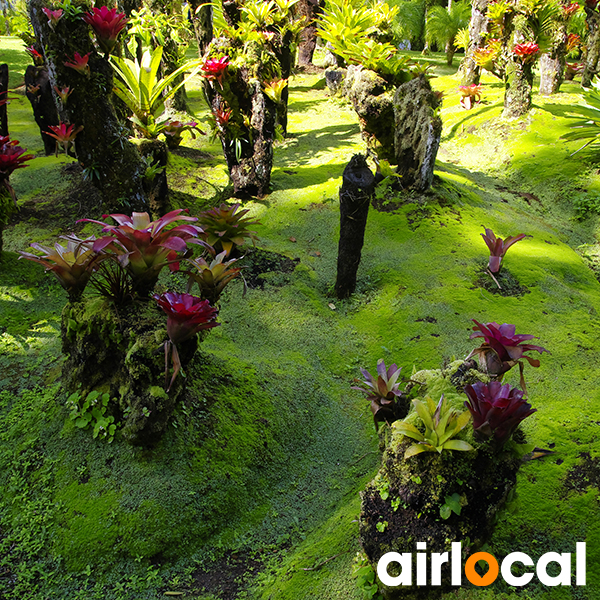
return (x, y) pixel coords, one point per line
(372, 98)
(406, 498)
(518, 87)
(122, 353)
(435, 498)
(417, 133)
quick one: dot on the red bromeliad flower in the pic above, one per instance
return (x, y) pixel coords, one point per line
(38, 59)
(64, 135)
(63, 94)
(53, 16)
(470, 93)
(570, 9)
(222, 117)
(107, 24)
(12, 156)
(144, 247)
(496, 409)
(79, 63)
(498, 247)
(526, 51)
(573, 41)
(214, 68)
(502, 348)
(186, 316)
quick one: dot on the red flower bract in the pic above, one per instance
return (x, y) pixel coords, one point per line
(527, 51)
(186, 315)
(79, 63)
(107, 23)
(496, 409)
(12, 156)
(214, 68)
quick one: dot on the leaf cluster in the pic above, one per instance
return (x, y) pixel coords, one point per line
(442, 424)
(92, 412)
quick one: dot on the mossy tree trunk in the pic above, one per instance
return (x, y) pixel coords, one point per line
(309, 9)
(518, 87)
(202, 20)
(478, 27)
(39, 94)
(102, 146)
(3, 96)
(592, 56)
(156, 154)
(552, 70)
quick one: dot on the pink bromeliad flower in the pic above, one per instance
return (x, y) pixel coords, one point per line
(214, 68)
(63, 93)
(470, 94)
(54, 16)
(526, 51)
(64, 135)
(107, 23)
(12, 156)
(79, 63)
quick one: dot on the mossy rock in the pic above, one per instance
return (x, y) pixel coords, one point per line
(122, 352)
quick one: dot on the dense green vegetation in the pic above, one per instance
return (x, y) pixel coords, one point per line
(253, 492)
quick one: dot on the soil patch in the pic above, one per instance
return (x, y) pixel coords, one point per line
(509, 285)
(258, 264)
(583, 475)
(228, 577)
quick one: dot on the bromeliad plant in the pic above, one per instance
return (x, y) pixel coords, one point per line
(498, 248)
(73, 266)
(65, 136)
(470, 94)
(225, 227)
(502, 349)
(388, 402)
(496, 409)
(107, 25)
(144, 247)
(442, 424)
(186, 316)
(173, 132)
(144, 94)
(213, 277)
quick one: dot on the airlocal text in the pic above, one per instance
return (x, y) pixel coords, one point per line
(454, 557)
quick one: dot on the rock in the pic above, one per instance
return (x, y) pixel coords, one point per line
(417, 133)
(334, 78)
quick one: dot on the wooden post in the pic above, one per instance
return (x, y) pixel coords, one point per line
(357, 188)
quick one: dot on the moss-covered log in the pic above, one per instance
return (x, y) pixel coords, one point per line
(102, 146)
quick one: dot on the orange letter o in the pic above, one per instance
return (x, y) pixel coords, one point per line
(472, 574)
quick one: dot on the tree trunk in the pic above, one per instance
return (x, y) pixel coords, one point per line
(552, 71)
(358, 183)
(3, 96)
(202, 22)
(309, 9)
(155, 153)
(101, 146)
(518, 87)
(478, 27)
(39, 94)
(231, 12)
(450, 51)
(592, 56)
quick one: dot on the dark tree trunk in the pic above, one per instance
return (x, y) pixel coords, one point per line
(102, 146)
(283, 52)
(156, 187)
(39, 94)
(478, 27)
(202, 22)
(358, 183)
(592, 56)
(309, 9)
(231, 12)
(450, 52)
(3, 96)
(552, 71)
(518, 87)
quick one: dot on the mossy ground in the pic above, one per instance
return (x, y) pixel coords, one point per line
(265, 458)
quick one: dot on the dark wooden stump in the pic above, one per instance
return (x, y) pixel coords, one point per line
(3, 96)
(355, 196)
(39, 94)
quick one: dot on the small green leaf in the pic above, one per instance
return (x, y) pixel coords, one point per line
(454, 503)
(445, 511)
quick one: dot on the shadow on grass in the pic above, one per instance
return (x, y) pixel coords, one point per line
(473, 114)
(300, 177)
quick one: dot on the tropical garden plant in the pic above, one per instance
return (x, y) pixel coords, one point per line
(444, 23)
(585, 118)
(498, 248)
